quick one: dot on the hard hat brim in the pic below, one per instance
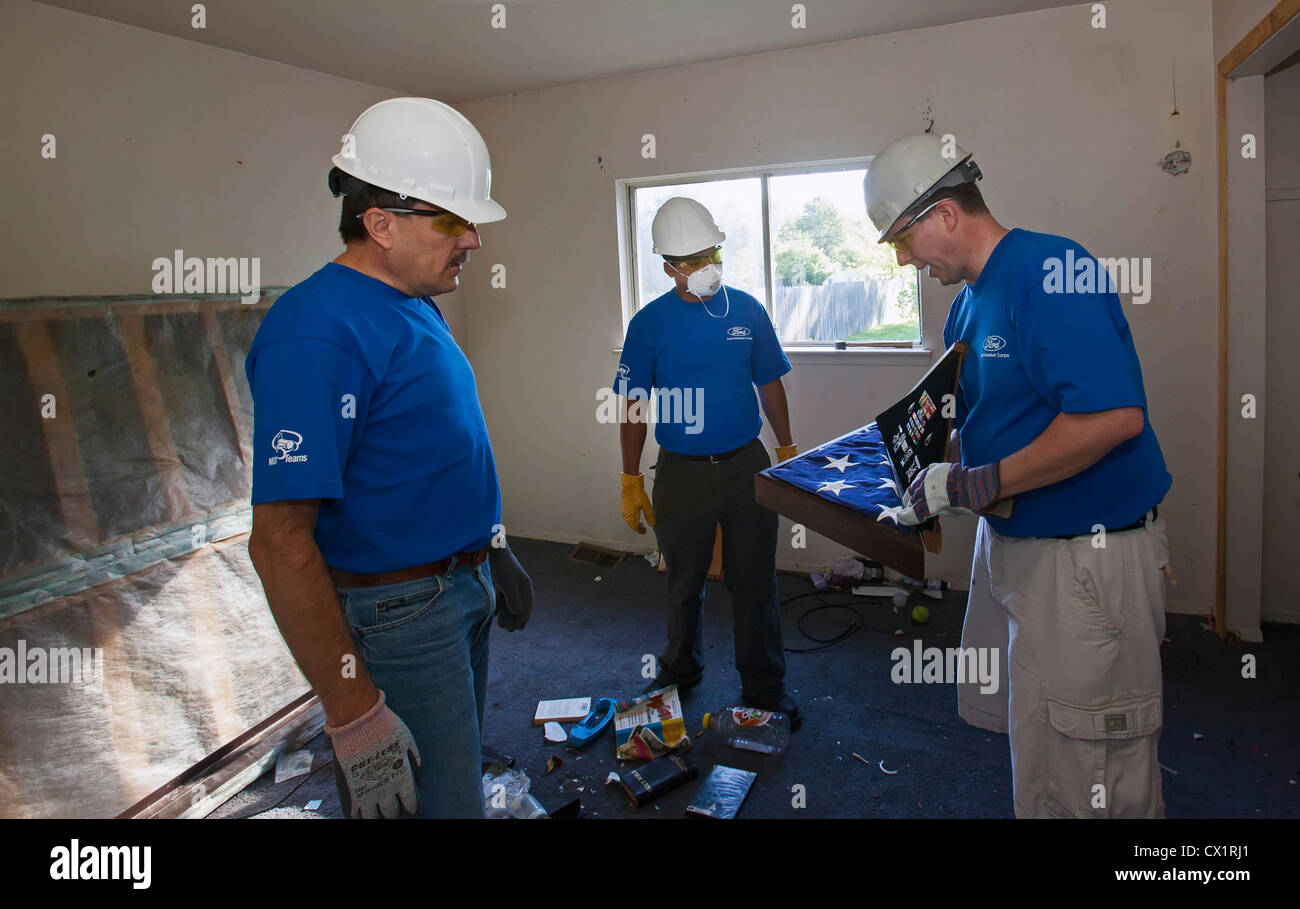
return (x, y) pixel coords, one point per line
(484, 212)
(478, 212)
(676, 252)
(955, 176)
(687, 255)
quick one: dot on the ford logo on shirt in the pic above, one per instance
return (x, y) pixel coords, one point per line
(994, 342)
(738, 333)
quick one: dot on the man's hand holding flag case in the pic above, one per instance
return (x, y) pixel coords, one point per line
(944, 487)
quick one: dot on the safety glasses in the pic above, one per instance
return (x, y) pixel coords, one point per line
(695, 263)
(903, 242)
(444, 222)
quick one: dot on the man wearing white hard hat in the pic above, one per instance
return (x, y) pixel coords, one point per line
(704, 347)
(375, 494)
(1068, 590)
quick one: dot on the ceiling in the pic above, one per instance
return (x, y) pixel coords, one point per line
(1279, 52)
(448, 48)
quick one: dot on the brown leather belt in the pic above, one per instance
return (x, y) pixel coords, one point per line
(343, 578)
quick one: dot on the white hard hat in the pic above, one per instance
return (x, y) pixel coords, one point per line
(426, 150)
(683, 226)
(907, 172)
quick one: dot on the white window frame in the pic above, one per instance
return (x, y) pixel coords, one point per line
(625, 211)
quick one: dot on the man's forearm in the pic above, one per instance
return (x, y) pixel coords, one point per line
(1070, 444)
(631, 436)
(307, 611)
(777, 408)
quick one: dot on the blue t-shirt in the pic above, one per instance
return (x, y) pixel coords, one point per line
(362, 398)
(1035, 354)
(703, 368)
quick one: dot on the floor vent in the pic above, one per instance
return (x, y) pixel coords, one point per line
(596, 555)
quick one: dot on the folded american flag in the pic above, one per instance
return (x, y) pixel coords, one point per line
(853, 470)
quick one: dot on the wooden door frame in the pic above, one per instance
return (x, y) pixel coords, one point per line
(1263, 30)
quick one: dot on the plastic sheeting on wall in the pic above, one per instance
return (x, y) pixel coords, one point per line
(134, 635)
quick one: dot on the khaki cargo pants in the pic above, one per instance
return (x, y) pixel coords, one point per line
(1077, 630)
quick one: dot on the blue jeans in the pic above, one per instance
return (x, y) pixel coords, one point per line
(425, 643)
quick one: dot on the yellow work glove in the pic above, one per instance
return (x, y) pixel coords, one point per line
(786, 452)
(636, 501)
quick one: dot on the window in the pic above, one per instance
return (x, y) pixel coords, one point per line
(798, 239)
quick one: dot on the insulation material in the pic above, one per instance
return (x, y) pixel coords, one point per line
(134, 635)
(188, 658)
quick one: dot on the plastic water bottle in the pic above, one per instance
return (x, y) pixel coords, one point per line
(526, 806)
(751, 729)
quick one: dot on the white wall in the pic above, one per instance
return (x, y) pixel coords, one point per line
(1246, 342)
(1064, 119)
(1281, 518)
(150, 133)
(1259, 474)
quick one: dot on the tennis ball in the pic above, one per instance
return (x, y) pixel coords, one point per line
(920, 615)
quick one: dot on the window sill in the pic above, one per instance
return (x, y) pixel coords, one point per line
(824, 355)
(856, 353)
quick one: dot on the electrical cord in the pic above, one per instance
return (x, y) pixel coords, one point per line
(856, 624)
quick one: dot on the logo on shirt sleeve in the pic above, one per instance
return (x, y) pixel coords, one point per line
(286, 442)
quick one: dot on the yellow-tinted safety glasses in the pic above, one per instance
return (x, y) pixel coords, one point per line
(902, 240)
(695, 263)
(444, 222)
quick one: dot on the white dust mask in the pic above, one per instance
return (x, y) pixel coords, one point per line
(705, 281)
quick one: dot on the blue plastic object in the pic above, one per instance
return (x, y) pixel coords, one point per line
(593, 725)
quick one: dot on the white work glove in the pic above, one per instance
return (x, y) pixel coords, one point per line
(375, 764)
(944, 487)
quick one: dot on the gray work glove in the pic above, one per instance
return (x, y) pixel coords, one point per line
(514, 589)
(375, 764)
